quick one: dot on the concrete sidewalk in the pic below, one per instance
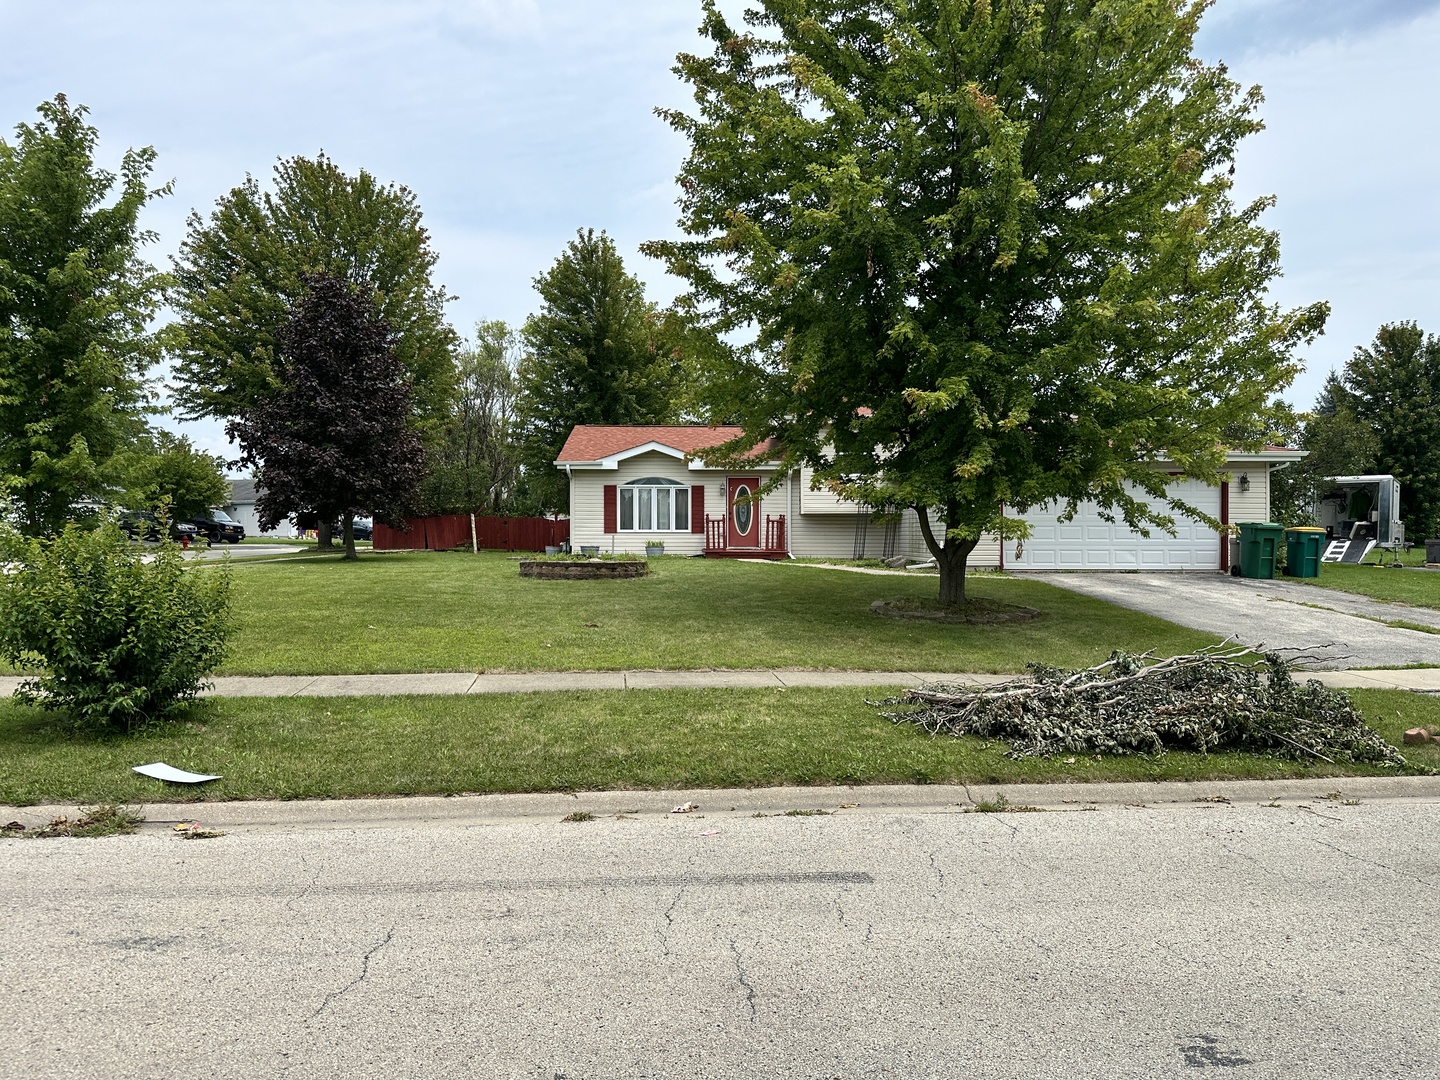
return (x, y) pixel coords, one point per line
(1423, 680)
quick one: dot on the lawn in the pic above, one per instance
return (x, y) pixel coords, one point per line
(338, 747)
(1418, 587)
(430, 611)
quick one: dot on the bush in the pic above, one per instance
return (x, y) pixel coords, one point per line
(118, 636)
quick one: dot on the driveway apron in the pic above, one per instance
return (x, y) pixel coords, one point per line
(1277, 614)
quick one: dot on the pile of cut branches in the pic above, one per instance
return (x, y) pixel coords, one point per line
(1214, 699)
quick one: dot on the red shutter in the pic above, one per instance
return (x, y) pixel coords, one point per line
(612, 515)
(697, 508)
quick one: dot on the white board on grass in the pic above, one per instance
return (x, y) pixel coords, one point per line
(160, 771)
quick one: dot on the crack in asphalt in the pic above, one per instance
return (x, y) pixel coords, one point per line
(1251, 859)
(1000, 820)
(1372, 862)
(936, 867)
(364, 971)
(744, 980)
(669, 922)
(309, 885)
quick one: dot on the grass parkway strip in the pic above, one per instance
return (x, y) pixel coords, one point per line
(292, 748)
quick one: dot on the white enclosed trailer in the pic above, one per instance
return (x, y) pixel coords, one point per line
(1360, 514)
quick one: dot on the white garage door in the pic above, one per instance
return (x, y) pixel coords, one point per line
(1089, 542)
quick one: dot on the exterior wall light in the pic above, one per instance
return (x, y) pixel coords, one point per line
(1244, 481)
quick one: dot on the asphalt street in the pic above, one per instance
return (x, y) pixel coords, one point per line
(1278, 614)
(377, 940)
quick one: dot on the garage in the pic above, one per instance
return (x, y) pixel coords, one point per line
(1089, 542)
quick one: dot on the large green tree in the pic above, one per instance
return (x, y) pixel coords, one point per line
(1394, 388)
(335, 438)
(979, 256)
(241, 272)
(597, 352)
(76, 303)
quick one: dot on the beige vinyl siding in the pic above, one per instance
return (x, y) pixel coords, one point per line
(587, 504)
(822, 501)
(1252, 505)
(832, 536)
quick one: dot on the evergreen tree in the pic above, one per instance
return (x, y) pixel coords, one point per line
(76, 301)
(334, 438)
(595, 353)
(1394, 388)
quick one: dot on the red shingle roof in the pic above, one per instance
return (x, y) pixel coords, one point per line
(592, 442)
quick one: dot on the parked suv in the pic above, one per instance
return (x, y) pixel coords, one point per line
(218, 526)
(144, 525)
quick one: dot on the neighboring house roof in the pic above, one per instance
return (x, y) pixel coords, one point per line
(242, 491)
(606, 445)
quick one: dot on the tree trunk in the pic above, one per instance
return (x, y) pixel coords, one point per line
(323, 538)
(952, 571)
(950, 557)
(350, 535)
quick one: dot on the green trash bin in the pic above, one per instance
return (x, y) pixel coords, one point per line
(1259, 543)
(1303, 548)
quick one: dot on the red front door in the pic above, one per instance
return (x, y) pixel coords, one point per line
(742, 518)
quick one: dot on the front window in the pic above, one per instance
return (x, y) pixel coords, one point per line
(654, 504)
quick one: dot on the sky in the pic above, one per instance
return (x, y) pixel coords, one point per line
(517, 122)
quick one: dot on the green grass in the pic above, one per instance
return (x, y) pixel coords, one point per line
(410, 612)
(342, 747)
(1417, 587)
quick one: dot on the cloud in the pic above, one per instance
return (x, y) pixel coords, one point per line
(1234, 28)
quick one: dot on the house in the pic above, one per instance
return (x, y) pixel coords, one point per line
(241, 507)
(633, 485)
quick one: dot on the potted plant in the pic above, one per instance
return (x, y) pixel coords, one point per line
(653, 548)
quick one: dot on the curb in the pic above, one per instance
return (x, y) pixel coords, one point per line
(462, 811)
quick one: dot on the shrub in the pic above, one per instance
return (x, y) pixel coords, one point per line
(118, 636)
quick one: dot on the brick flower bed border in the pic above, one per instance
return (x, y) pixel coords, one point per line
(564, 570)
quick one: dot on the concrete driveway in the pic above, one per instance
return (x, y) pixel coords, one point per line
(1278, 614)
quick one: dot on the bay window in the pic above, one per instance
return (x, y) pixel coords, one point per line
(654, 504)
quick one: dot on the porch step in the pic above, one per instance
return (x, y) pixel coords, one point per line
(743, 553)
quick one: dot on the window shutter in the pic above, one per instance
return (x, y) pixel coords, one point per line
(612, 524)
(697, 508)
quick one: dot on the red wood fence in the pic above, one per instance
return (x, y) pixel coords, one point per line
(453, 531)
